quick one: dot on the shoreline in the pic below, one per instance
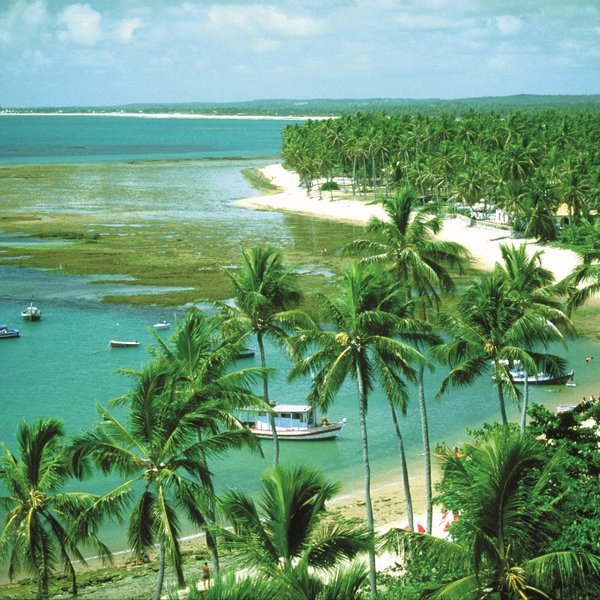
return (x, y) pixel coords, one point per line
(163, 115)
(482, 241)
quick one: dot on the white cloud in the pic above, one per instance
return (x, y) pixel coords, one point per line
(426, 21)
(125, 29)
(260, 18)
(265, 45)
(23, 18)
(508, 25)
(498, 62)
(83, 24)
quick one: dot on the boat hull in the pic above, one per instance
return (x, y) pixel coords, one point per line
(123, 344)
(543, 379)
(308, 434)
(12, 333)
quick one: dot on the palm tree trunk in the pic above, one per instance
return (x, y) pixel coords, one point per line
(502, 405)
(211, 544)
(161, 572)
(404, 466)
(524, 403)
(426, 448)
(263, 364)
(362, 399)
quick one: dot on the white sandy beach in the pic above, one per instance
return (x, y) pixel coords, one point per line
(483, 242)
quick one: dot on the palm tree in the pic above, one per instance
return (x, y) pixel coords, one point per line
(503, 489)
(490, 332)
(164, 462)
(532, 288)
(421, 264)
(360, 345)
(584, 281)
(200, 361)
(265, 294)
(37, 534)
(286, 532)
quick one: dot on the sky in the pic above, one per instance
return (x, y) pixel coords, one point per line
(111, 52)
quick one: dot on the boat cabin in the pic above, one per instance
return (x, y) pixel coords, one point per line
(287, 416)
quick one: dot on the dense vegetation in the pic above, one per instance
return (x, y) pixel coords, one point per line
(527, 163)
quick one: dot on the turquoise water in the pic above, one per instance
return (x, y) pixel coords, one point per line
(32, 139)
(62, 366)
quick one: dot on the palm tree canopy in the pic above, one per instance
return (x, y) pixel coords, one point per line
(366, 320)
(265, 292)
(406, 241)
(38, 531)
(503, 489)
(285, 525)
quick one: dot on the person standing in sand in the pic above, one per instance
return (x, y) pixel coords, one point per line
(205, 575)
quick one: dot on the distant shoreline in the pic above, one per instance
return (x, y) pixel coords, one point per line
(164, 115)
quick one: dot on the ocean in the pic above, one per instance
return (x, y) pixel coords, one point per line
(63, 366)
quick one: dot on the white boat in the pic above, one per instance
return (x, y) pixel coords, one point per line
(563, 408)
(162, 325)
(542, 378)
(296, 422)
(31, 313)
(123, 344)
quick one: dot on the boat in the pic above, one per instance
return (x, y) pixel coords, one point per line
(542, 378)
(31, 313)
(563, 408)
(7, 332)
(123, 344)
(297, 422)
(246, 353)
(162, 325)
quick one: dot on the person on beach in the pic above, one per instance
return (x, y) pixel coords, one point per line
(205, 575)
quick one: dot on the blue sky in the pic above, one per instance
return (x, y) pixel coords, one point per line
(103, 52)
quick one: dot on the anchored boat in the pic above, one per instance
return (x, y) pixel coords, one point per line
(296, 422)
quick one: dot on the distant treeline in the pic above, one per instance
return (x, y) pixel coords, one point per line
(333, 107)
(528, 162)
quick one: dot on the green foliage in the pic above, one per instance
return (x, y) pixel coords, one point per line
(329, 186)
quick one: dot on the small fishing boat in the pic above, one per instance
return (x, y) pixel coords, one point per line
(123, 344)
(542, 378)
(162, 325)
(31, 313)
(246, 353)
(563, 408)
(7, 332)
(297, 422)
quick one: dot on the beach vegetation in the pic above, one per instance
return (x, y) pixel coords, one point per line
(38, 533)
(163, 459)
(285, 534)
(493, 329)
(358, 343)
(200, 360)
(503, 487)
(421, 265)
(525, 163)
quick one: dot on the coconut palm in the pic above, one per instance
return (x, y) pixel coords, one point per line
(285, 532)
(359, 345)
(37, 534)
(584, 281)
(532, 288)
(421, 263)
(200, 361)
(491, 331)
(164, 462)
(503, 489)
(265, 294)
